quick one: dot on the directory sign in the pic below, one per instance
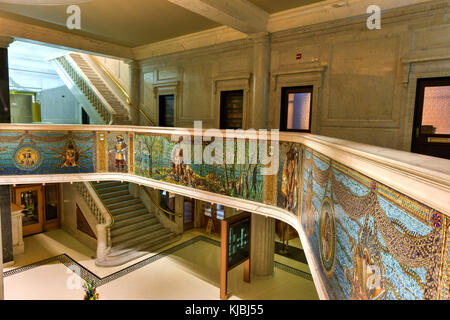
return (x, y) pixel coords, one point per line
(238, 242)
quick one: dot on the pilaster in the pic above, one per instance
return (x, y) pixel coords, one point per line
(135, 86)
(259, 114)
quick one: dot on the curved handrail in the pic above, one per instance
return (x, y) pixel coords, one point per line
(122, 89)
(112, 220)
(96, 204)
(158, 206)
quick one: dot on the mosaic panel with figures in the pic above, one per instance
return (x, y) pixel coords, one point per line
(371, 241)
(153, 159)
(23, 153)
(288, 178)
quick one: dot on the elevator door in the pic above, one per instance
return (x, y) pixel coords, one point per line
(431, 135)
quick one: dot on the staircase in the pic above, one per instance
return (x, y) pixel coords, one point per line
(91, 90)
(101, 86)
(136, 232)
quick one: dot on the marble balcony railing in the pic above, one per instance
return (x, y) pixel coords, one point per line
(373, 221)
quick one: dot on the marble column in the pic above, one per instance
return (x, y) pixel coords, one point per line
(5, 113)
(259, 113)
(263, 246)
(5, 216)
(262, 229)
(135, 91)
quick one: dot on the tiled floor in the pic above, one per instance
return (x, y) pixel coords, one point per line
(187, 269)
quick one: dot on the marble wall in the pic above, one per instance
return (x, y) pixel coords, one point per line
(364, 80)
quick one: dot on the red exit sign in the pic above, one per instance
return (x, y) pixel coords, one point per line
(299, 56)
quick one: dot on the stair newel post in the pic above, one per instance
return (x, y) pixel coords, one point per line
(102, 245)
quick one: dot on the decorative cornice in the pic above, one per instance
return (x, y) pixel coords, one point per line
(330, 10)
(196, 40)
(318, 17)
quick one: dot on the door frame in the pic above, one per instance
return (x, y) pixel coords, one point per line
(37, 227)
(190, 225)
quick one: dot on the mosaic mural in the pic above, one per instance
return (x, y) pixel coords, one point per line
(46, 153)
(118, 158)
(153, 159)
(288, 181)
(370, 241)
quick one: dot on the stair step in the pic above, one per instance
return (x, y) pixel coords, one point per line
(141, 243)
(135, 254)
(132, 227)
(106, 184)
(127, 222)
(123, 204)
(131, 214)
(120, 199)
(131, 207)
(106, 196)
(152, 229)
(106, 191)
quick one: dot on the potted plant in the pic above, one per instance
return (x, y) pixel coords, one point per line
(90, 290)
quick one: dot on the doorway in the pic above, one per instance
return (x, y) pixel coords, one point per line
(296, 105)
(431, 130)
(166, 110)
(188, 213)
(40, 207)
(231, 109)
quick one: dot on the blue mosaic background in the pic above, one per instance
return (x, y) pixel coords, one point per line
(52, 153)
(398, 281)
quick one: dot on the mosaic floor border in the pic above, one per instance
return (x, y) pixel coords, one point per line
(84, 273)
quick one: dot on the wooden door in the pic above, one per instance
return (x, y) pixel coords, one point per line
(431, 134)
(188, 213)
(31, 200)
(231, 109)
(167, 110)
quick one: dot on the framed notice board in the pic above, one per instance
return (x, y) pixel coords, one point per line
(238, 242)
(235, 248)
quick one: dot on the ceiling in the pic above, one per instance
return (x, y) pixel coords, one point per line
(131, 22)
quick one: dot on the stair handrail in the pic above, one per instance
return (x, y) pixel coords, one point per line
(102, 214)
(122, 89)
(77, 75)
(158, 206)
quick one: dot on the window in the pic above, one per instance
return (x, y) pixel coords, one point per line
(231, 109)
(220, 211)
(296, 109)
(217, 208)
(166, 110)
(436, 110)
(431, 131)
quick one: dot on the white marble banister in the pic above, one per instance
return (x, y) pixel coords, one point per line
(102, 215)
(423, 178)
